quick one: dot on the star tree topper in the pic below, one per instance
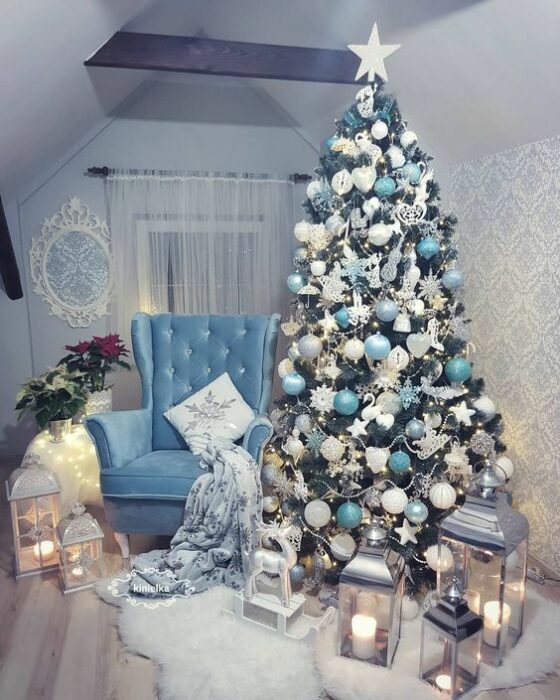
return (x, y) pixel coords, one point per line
(372, 56)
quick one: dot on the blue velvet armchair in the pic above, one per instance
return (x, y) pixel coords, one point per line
(146, 468)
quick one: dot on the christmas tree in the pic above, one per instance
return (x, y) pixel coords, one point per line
(381, 416)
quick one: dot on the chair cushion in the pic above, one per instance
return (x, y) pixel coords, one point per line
(164, 474)
(217, 411)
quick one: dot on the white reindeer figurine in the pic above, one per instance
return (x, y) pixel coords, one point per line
(271, 562)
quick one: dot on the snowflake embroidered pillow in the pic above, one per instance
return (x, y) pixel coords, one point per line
(217, 411)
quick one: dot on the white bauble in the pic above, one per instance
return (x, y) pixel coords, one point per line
(408, 139)
(343, 546)
(370, 206)
(389, 402)
(304, 422)
(433, 420)
(376, 458)
(332, 449)
(439, 557)
(364, 177)
(317, 513)
(417, 307)
(354, 349)
(270, 504)
(285, 367)
(485, 406)
(379, 130)
(314, 188)
(318, 268)
(379, 234)
(398, 358)
(396, 156)
(443, 495)
(302, 231)
(310, 346)
(293, 445)
(334, 223)
(394, 500)
(505, 466)
(342, 182)
(410, 608)
(385, 421)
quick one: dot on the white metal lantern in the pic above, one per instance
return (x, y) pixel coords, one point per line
(488, 541)
(370, 594)
(81, 554)
(34, 495)
(450, 645)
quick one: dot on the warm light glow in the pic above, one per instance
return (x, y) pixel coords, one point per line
(363, 636)
(443, 682)
(492, 622)
(78, 572)
(46, 552)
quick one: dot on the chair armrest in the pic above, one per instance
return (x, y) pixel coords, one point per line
(121, 436)
(257, 435)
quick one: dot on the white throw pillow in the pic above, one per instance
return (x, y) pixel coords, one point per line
(217, 411)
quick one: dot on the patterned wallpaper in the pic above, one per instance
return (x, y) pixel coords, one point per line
(508, 206)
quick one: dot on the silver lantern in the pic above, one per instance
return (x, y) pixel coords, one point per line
(450, 645)
(484, 544)
(81, 555)
(370, 597)
(34, 496)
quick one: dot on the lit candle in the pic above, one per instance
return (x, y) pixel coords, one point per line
(363, 636)
(78, 571)
(473, 601)
(492, 622)
(46, 552)
(443, 682)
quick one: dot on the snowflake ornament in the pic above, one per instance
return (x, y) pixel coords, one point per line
(422, 485)
(314, 441)
(459, 328)
(386, 377)
(284, 486)
(430, 286)
(409, 394)
(322, 398)
(328, 323)
(364, 388)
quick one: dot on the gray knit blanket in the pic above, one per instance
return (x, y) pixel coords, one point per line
(222, 512)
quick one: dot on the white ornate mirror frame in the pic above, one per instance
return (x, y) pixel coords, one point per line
(71, 264)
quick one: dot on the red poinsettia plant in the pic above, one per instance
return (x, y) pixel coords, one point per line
(96, 358)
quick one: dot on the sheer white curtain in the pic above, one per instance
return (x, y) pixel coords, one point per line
(199, 243)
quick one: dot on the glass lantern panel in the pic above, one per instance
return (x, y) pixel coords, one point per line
(514, 591)
(449, 569)
(25, 511)
(484, 571)
(345, 611)
(79, 566)
(468, 663)
(396, 620)
(436, 658)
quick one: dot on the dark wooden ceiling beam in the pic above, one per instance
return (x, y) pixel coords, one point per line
(186, 54)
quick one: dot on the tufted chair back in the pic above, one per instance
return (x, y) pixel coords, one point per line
(178, 355)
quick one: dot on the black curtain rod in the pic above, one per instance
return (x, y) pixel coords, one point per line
(104, 171)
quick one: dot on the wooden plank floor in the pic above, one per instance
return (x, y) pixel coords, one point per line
(54, 647)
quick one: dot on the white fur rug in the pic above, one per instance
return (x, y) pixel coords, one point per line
(203, 653)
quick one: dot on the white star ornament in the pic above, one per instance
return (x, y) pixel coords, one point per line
(462, 413)
(372, 56)
(407, 532)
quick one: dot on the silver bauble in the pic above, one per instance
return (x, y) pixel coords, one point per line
(310, 346)
(270, 504)
(304, 422)
(317, 513)
(354, 349)
(269, 474)
(389, 402)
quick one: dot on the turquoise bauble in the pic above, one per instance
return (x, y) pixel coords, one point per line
(377, 347)
(415, 429)
(386, 310)
(412, 172)
(458, 370)
(296, 281)
(453, 279)
(399, 462)
(293, 384)
(349, 515)
(297, 574)
(342, 317)
(346, 402)
(428, 247)
(384, 186)
(416, 511)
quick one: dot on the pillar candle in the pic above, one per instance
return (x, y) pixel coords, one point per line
(492, 624)
(363, 636)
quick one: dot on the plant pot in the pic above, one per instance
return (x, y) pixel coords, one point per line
(99, 402)
(59, 429)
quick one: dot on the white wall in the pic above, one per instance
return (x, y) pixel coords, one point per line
(175, 123)
(508, 206)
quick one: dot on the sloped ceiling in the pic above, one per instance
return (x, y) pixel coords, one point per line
(473, 76)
